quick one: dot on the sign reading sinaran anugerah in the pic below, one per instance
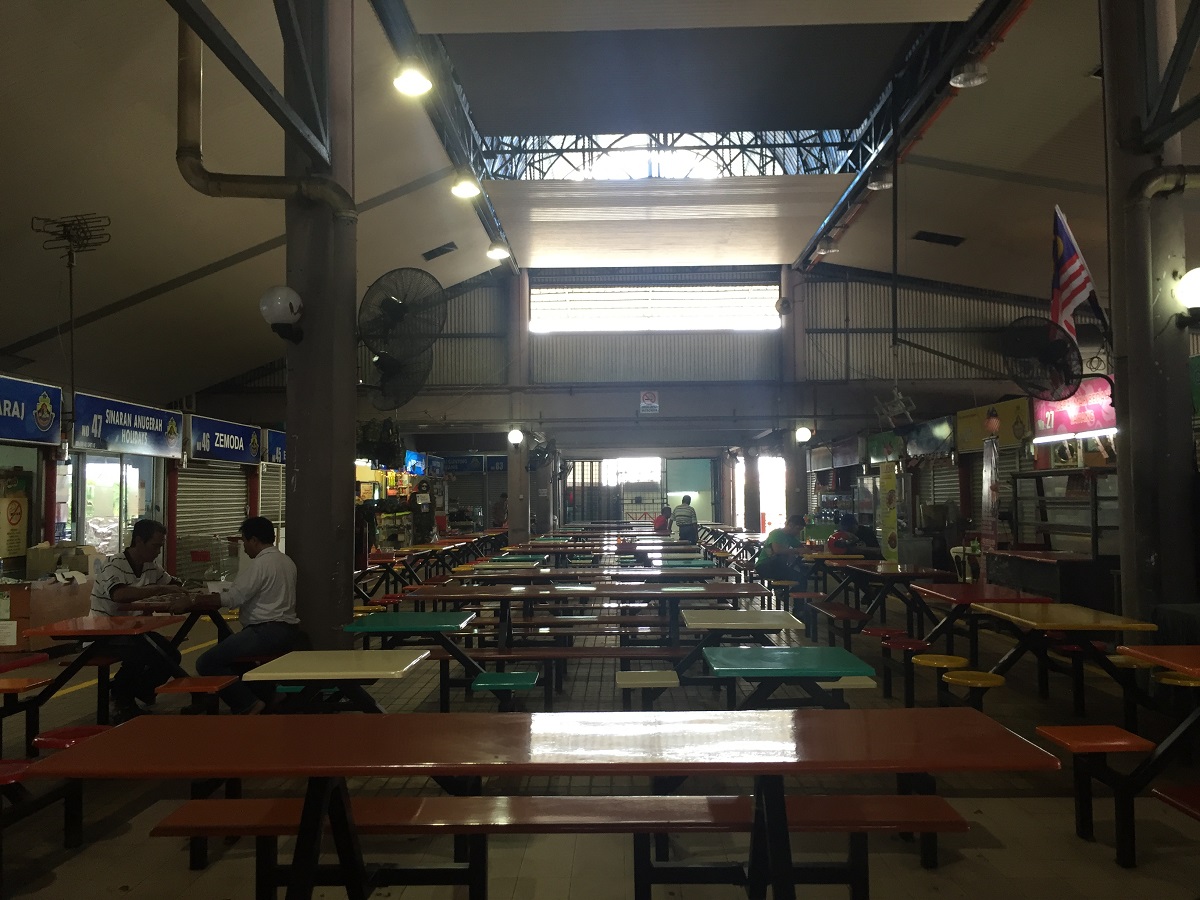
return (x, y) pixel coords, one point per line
(223, 441)
(119, 427)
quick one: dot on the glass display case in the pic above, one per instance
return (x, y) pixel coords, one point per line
(1067, 509)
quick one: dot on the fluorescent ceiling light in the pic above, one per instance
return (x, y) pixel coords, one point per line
(1099, 432)
(1053, 438)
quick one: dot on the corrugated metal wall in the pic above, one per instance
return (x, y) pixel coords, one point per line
(272, 493)
(849, 334)
(699, 356)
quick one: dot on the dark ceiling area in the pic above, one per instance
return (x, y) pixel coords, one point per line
(688, 80)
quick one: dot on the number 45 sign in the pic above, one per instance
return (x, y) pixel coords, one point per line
(648, 405)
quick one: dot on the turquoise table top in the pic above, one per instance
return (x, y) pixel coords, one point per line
(409, 622)
(523, 558)
(784, 662)
(688, 564)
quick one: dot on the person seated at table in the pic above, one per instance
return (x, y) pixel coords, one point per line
(127, 578)
(779, 557)
(662, 523)
(847, 540)
(264, 593)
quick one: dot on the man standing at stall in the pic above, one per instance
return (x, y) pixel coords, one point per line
(125, 579)
(264, 593)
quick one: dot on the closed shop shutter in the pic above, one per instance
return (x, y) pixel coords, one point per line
(813, 498)
(975, 470)
(468, 492)
(925, 483)
(945, 481)
(211, 507)
(272, 494)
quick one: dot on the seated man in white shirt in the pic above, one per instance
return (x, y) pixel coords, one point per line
(264, 592)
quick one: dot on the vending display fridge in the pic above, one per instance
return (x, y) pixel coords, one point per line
(870, 504)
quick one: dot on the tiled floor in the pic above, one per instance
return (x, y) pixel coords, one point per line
(1021, 843)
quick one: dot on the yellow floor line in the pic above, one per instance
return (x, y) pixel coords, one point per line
(86, 684)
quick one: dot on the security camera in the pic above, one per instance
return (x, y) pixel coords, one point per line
(281, 308)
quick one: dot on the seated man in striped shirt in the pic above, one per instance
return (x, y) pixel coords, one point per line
(264, 593)
(125, 579)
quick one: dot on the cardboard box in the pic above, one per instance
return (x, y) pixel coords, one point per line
(86, 559)
(45, 560)
(40, 603)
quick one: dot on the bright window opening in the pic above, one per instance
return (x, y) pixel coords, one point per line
(670, 308)
(635, 469)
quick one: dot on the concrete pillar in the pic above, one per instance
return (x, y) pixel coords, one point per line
(725, 488)
(1153, 405)
(797, 478)
(753, 494)
(322, 372)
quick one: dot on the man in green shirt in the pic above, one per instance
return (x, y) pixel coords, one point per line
(779, 557)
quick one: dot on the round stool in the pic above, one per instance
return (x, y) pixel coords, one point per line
(976, 683)
(907, 646)
(1177, 679)
(940, 663)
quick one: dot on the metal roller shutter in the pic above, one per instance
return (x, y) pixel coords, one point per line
(1010, 462)
(945, 481)
(975, 469)
(272, 494)
(813, 498)
(469, 491)
(211, 506)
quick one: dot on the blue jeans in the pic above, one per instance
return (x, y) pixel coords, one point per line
(253, 640)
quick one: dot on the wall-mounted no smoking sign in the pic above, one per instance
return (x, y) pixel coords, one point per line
(648, 405)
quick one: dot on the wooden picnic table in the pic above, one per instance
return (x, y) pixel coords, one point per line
(1039, 625)
(765, 745)
(437, 626)
(98, 635)
(348, 671)
(484, 574)
(770, 668)
(668, 597)
(879, 579)
(960, 596)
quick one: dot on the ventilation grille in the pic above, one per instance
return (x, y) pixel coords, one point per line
(935, 237)
(439, 251)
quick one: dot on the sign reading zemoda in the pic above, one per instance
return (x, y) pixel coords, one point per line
(223, 441)
(119, 427)
(30, 413)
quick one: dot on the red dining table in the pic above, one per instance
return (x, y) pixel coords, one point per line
(96, 634)
(764, 745)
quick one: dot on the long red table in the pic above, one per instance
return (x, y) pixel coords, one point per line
(765, 745)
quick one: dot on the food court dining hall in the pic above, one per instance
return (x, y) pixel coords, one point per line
(620, 451)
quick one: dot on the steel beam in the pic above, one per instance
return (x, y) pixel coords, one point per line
(1162, 95)
(446, 105)
(202, 21)
(923, 77)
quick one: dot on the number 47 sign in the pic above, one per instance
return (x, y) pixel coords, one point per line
(648, 403)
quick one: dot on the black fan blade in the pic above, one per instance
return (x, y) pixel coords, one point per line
(403, 312)
(1042, 358)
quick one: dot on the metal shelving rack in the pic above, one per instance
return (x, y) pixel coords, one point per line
(1067, 509)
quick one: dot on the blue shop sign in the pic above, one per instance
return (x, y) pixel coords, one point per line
(435, 466)
(497, 463)
(464, 465)
(223, 441)
(276, 444)
(29, 412)
(104, 424)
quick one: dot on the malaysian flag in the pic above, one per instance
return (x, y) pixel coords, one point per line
(1072, 284)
